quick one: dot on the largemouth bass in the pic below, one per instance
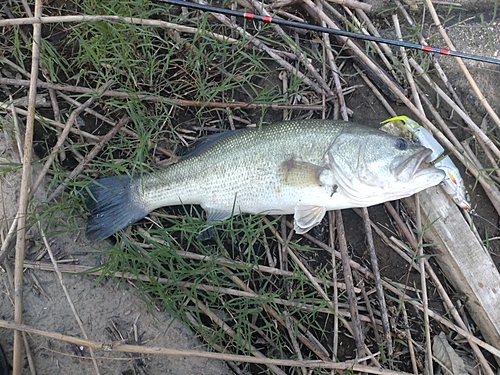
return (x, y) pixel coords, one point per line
(304, 168)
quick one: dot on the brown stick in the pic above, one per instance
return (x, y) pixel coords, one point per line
(124, 348)
(460, 62)
(64, 135)
(397, 290)
(92, 154)
(423, 284)
(66, 293)
(116, 19)
(378, 281)
(157, 98)
(260, 45)
(351, 296)
(24, 195)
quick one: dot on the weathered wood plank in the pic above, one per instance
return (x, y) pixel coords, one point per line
(463, 259)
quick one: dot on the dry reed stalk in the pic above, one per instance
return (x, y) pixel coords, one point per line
(8, 286)
(46, 120)
(378, 281)
(29, 357)
(230, 332)
(24, 194)
(444, 127)
(303, 333)
(434, 61)
(109, 18)
(489, 156)
(91, 155)
(90, 111)
(423, 284)
(376, 91)
(331, 238)
(259, 7)
(371, 314)
(353, 4)
(346, 266)
(369, 64)
(361, 28)
(344, 111)
(295, 344)
(460, 62)
(406, 64)
(125, 348)
(64, 134)
(260, 45)
(476, 130)
(390, 242)
(66, 293)
(156, 98)
(409, 339)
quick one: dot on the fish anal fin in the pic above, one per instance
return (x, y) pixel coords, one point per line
(294, 172)
(307, 216)
(214, 216)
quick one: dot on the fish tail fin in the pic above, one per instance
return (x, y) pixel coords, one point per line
(113, 204)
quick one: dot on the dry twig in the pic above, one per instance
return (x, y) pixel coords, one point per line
(24, 193)
(124, 348)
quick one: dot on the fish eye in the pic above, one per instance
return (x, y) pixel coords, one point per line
(401, 144)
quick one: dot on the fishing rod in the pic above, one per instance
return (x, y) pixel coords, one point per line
(328, 30)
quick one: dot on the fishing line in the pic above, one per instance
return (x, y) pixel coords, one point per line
(328, 30)
(473, 213)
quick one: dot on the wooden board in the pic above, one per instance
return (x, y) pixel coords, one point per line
(463, 259)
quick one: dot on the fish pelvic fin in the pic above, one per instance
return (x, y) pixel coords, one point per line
(307, 216)
(112, 205)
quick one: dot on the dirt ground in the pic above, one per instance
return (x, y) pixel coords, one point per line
(111, 311)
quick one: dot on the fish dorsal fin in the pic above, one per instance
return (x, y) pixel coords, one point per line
(204, 143)
(307, 216)
(294, 172)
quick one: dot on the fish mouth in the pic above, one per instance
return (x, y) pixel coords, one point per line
(414, 166)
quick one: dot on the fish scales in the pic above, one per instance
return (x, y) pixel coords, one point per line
(241, 170)
(297, 167)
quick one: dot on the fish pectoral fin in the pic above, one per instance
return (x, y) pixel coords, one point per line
(294, 172)
(214, 216)
(306, 217)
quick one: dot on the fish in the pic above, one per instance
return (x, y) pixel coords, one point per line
(302, 167)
